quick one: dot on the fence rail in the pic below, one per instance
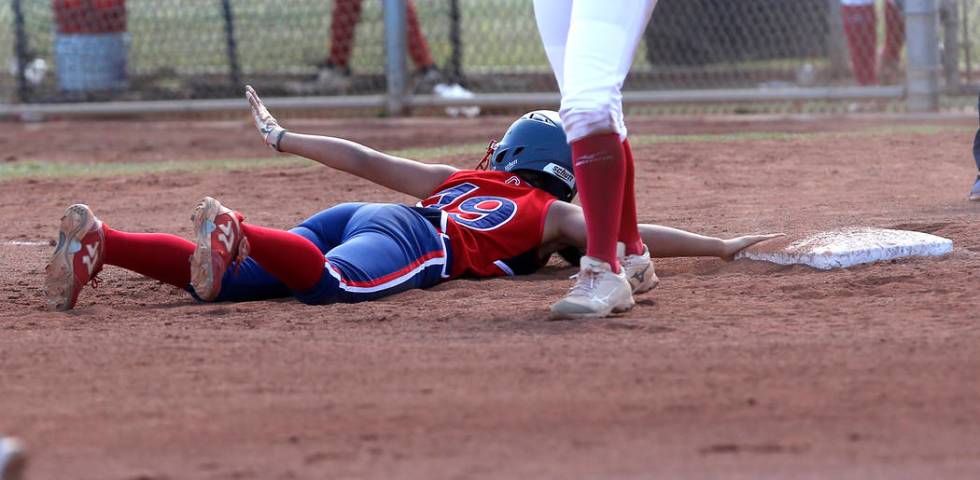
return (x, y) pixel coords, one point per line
(121, 56)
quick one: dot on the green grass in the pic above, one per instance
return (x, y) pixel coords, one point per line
(40, 169)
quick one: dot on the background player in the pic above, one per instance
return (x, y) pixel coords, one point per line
(590, 46)
(335, 73)
(861, 29)
(505, 221)
(975, 191)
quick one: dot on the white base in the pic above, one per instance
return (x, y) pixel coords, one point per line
(852, 246)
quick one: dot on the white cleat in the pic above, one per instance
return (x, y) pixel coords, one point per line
(638, 269)
(597, 293)
(13, 460)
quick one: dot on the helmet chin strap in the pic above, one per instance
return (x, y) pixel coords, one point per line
(485, 163)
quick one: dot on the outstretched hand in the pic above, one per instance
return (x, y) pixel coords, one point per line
(268, 126)
(735, 245)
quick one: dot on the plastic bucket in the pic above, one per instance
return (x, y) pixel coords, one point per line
(91, 61)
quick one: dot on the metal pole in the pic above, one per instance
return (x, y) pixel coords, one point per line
(20, 50)
(836, 49)
(234, 69)
(951, 44)
(395, 69)
(967, 43)
(455, 41)
(921, 20)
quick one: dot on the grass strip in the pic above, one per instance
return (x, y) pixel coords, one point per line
(40, 169)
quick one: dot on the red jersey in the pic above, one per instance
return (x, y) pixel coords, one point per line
(494, 221)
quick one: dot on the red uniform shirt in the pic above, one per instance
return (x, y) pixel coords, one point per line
(494, 221)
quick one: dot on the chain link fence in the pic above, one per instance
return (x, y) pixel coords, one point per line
(58, 51)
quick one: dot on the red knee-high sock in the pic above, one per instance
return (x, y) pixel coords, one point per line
(291, 258)
(600, 170)
(859, 26)
(160, 256)
(343, 23)
(894, 33)
(418, 48)
(629, 233)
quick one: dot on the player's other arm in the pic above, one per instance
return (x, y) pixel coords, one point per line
(400, 174)
(566, 224)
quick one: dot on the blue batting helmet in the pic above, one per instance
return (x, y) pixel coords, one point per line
(535, 146)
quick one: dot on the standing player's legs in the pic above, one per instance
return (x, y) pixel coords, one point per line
(591, 64)
(590, 47)
(888, 70)
(418, 47)
(343, 25)
(860, 28)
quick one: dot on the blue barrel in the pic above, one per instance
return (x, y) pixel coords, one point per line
(91, 61)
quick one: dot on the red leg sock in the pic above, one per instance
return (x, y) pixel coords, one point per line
(343, 22)
(291, 258)
(600, 170)
(629, 233)
(894, 33)
(859, 26)
(160, 256)
(418, 48)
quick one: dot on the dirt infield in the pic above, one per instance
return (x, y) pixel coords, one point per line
(731, 370)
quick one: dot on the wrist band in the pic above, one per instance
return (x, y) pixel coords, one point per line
(282, 132)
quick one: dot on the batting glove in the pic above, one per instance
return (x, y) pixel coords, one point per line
(264, 121)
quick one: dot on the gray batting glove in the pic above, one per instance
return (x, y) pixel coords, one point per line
(264, 121)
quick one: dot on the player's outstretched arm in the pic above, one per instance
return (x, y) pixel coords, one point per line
(566, 223)
(400, 174)
(665, 242)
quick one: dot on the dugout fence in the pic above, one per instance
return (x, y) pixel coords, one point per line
(133, 56)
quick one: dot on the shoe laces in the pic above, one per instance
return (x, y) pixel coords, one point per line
(95, 281)
(585, 282)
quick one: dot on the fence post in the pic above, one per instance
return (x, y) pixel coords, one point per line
(836, 49)
(20, 50)
(395, 70)
(921, 20)
(949, 15)
(967, 51)
(234, 69)
(456, 44)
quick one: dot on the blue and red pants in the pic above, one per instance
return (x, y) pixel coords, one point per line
(370, 250)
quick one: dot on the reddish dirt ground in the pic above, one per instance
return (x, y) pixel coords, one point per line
(735, 370)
